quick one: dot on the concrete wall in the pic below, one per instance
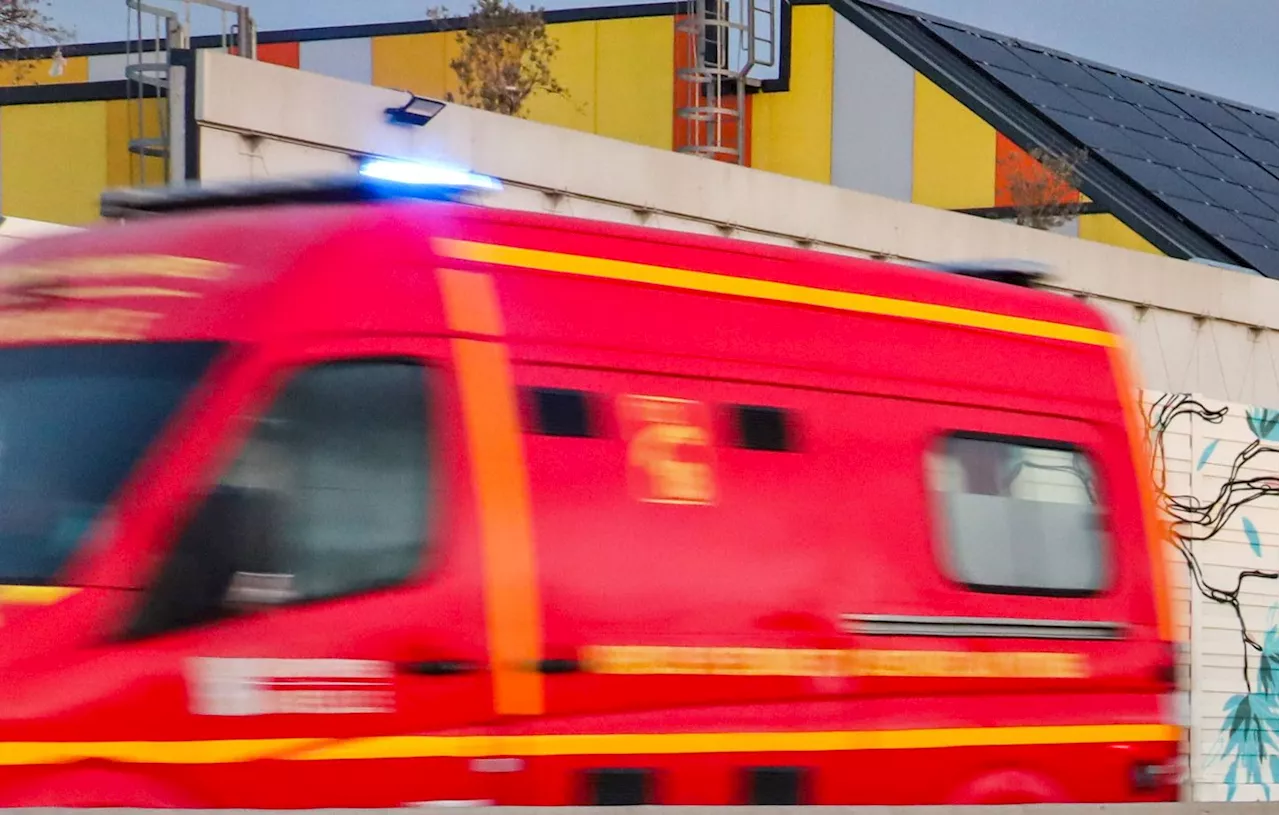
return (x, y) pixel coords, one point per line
(16, 231)
(1196, 330)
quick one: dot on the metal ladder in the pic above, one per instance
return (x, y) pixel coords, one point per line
(714, 87)
(148, 71)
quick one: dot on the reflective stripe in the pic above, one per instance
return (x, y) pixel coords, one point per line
(752, 288)
(578, 744)
(513, 609)
(34, 595)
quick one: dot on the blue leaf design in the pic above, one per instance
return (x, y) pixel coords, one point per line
(1264, 422)
(1204, 457)
(1251, 532)
(1275, 773)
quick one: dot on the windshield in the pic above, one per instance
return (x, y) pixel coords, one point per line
(74, 420)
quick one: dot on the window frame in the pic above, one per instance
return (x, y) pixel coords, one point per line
(942, 544)
(429, 539)
(263, 395)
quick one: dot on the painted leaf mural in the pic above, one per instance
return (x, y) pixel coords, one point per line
(1251, 532)
(1207, 454)
(1244, 758)
(1264, 422)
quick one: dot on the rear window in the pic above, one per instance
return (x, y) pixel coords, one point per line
(1017, 517)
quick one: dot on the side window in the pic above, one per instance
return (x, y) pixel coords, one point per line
(1017, 517)
(327, 498)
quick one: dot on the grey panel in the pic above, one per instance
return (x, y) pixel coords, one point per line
(1265, 126)
(1060, 71)
(1264, 226)
(1244, 172)
(1263, 259)
(108, 67)
(1206, 111)
(1216, 221)
(873, 110)
(1113, 111)
(1155, 177)
(1173, 153)
(1255, 148)
(343, 59)
(1132, 90)
(1038, 92)
(1098, 135)
(980, 48)
(1271, 199)
(1229, 196)
(1182, 127)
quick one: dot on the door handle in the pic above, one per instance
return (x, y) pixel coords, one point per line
(558, 666)
(439, 667)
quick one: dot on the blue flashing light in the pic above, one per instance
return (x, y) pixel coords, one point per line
(427, 174)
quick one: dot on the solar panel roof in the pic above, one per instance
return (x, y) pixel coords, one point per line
(1209, 163)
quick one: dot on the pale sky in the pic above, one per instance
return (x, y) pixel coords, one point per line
(1226, 48)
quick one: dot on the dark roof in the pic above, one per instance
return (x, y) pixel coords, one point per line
(1193, 174)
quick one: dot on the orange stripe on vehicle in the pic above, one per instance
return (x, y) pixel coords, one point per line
(710, 283)
(1135, 429)
(512, 607)
(579, 744)
(470, 302)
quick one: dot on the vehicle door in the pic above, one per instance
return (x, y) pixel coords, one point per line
(316, 616)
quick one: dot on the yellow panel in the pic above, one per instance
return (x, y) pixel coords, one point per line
(634, 80)
(122, 125)
(1111, 230)
(791, 131)
(415, 62)
(953, 152)
(36, 72)
(53, 161)
(574, 66)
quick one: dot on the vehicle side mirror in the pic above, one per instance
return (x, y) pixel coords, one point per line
(229, 536)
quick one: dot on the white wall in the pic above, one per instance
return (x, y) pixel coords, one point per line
(15, 231)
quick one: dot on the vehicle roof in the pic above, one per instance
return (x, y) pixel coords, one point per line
(337, 267)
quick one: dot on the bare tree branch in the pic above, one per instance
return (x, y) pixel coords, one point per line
(26, 30)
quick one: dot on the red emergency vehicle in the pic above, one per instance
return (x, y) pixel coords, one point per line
(324, 496)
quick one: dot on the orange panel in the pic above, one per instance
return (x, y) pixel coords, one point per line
(683, 92)
(1014, 163)
(279, 53)
(684, 96)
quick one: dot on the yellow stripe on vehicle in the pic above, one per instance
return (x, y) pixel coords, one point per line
(34, 595)
(578, 744)
(751, 288)
(222, 751)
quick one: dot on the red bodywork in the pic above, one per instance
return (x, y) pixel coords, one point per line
(790, 542)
